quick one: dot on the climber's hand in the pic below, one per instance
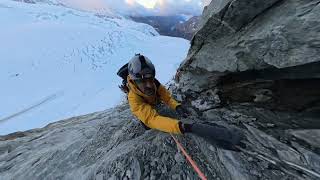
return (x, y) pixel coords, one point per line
(182, 111)
(220, 136)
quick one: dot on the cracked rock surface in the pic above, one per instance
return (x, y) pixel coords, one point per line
(261, 60)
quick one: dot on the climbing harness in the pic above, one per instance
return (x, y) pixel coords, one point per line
(192, 162)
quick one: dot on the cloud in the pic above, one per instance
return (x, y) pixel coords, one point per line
(172, 7)
(205, 2)
(141, 7)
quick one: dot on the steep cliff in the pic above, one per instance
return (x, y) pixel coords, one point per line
(253, 64)
(256, 64)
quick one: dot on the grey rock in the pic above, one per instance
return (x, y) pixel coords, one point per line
(311, 137)
(176, 176)
(129, 174)
(115, 155)
(179, 157)
(208, 100)
(153, 177)
(252, 35)
(259, 55)
(270, 125)
(153, 163)
(99, 177)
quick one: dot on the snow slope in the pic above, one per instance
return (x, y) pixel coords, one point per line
(57, 62)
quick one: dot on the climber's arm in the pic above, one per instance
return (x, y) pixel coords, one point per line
(149, 116)
(166, 97)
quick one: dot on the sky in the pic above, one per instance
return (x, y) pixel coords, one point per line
(142, 7)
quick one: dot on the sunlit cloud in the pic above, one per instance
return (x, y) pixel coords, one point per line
(141, 7)
(130, 2)
(172, 7)
(147, 3)
(152, 3)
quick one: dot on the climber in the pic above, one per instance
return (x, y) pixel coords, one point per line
(145, 91)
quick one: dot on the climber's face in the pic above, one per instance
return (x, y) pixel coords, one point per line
(146, 86)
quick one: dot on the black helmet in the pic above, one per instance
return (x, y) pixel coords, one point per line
(141, 67)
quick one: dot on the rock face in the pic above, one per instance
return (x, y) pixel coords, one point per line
(241, 35)
(256, 64)
(257, 51)
(103, 145)
(253, 64)
(187, 29)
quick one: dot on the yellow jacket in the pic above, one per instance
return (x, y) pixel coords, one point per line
(142, 106)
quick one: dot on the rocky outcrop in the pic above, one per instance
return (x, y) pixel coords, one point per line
(253, 65)
(187, 29)
(103, 145)
(113, 145)
(239, 35)
(256, 64)
(260, 49)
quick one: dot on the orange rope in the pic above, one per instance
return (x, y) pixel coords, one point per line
(193, 164)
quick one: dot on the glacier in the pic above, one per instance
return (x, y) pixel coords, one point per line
(57, 62)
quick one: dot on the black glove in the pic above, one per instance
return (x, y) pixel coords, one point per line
(182, 111)
(218, 135)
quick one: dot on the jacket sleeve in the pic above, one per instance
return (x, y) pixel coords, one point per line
(149, 116)
(166, 97)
